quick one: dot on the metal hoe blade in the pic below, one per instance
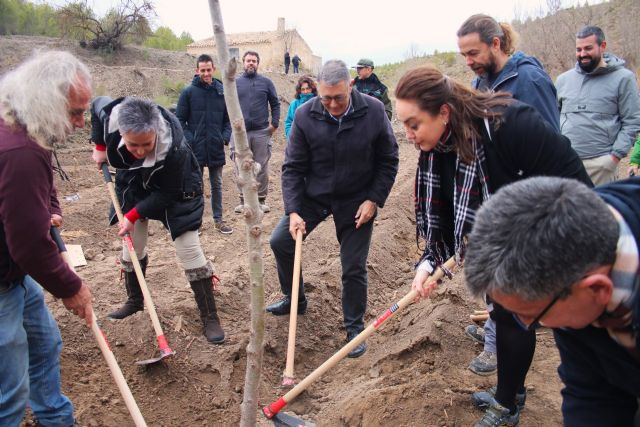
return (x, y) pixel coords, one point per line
(284, 420)
(155, 359)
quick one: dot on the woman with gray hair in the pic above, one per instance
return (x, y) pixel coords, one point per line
(157, 177)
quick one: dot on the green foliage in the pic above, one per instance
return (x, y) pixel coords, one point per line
(24, 17)
(171, 92)
(164, 38)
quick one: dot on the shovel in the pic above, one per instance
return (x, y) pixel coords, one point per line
(165, 351)
(288, 376)
(101, 338)
(271, 411)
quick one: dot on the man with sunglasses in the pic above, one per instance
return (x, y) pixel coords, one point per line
(341, 160)
(578, 273)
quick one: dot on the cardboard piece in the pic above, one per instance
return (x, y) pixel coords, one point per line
(76, 255)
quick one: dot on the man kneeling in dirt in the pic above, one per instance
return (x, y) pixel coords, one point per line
(41, 102)
(355, 161)
(578, 273)
(157, 177)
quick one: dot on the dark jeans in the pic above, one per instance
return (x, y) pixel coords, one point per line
(215, 179)
(354, 250)
(601, 378)
(286, 68)
(295, 68)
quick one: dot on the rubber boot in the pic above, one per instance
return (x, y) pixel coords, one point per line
(208, 312)
(135, 298)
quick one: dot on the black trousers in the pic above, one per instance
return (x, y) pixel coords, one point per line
(354, 250)
(515, 348)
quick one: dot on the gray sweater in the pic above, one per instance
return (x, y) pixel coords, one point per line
(599, 111)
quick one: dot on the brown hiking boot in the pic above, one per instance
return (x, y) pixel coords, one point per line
(135, 298)
(208, 313)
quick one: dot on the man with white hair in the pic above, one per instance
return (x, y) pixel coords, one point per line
(355, 162)
(41, 102)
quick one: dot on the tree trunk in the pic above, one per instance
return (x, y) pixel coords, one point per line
(253, 217)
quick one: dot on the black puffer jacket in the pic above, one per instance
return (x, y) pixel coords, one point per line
(205, 122)
(170, 190)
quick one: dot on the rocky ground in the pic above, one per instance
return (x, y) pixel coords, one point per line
(414, 373)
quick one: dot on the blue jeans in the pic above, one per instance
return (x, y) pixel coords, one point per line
(215, 179)
(30, 345)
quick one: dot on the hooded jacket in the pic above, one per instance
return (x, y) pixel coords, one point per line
(524, 77)
(372, 86)
(166, 185)
(599, 111)
(202, 113)
(339, 163)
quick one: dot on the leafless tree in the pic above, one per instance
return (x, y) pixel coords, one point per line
(128, 19)
(253, 217)
(412, 52)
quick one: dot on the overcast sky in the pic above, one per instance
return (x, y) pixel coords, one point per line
(342, 29)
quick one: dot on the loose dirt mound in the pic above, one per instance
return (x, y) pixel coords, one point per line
(413, 374)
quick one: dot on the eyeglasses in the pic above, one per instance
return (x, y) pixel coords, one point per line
(535, 324)
(338, 98)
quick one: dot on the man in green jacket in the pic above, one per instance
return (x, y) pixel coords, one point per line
(369, 84)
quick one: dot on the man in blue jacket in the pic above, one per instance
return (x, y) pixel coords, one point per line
(257, 94)
(489, 50)
(204, 119)
(342, 160)
(581, 278)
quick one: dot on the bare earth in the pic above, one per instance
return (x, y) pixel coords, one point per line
(414, 373)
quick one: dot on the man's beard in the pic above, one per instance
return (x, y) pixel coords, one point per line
(591, 65)
(489, 68)
(250, 71)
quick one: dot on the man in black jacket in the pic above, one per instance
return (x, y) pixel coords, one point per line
(355, 161)
(368, 83)
(579, 274)
(204, 119)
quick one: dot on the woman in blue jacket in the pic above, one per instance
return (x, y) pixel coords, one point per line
(305, 90)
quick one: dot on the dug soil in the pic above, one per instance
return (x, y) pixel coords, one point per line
(413, 374)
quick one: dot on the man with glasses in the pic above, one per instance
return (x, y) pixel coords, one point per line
(579, 273)
(355, 162)
(368, 83)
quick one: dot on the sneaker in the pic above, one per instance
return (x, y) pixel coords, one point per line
(222, 227)
(486, 363)
(497, 415)
(360, 348)
(482, 399)
(265, 208)
(475, 332)
(239, 208)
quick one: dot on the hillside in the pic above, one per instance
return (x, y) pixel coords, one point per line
(414, 373)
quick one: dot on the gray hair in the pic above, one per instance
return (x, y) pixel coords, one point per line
(537, 237)
(138, 115)
(35, 95)
(334, 71)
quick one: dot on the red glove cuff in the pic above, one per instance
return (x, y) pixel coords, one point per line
(132, 215)
(100, 147)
